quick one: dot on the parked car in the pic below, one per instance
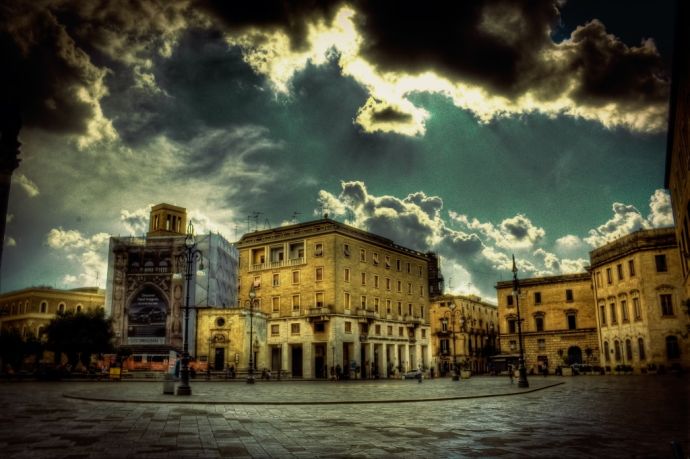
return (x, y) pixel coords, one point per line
(414, 374)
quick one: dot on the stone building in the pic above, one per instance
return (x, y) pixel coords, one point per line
(465, 333)
(336, 296)
(146, 286)
(558, 320)
(641, 311)
(29, 310)
(677, 178)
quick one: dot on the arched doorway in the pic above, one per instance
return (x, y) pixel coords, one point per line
(574, 355)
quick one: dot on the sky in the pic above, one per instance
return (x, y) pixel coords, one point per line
(476, 130)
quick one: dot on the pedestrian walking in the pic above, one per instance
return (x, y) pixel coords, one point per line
(510, 373)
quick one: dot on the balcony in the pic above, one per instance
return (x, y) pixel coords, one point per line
(318, 314)
(363, 337)
(277, 264)
(365, 314)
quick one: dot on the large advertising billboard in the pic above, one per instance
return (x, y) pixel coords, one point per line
(147, 317)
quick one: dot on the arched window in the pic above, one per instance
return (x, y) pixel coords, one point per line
(617, 350)
(628, 350)
(44, 307)
(61, 308)
(672, 348)
(640, 349)
(78, 309)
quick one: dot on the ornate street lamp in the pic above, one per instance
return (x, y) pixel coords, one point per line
(522, 380)
(250, 305)
(188, 258)
(452, 314)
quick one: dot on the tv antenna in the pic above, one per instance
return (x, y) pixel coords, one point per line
(294, 216)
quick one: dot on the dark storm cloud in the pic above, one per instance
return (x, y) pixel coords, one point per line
(500, 45)
(390, 115)
(291, 17)
(44, 70)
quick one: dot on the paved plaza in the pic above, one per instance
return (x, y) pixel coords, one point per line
(583, 416)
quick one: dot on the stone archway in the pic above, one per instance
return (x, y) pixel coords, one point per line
(574, 355)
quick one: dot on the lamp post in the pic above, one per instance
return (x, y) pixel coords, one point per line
(188, 259)
(522, 380)
(250, 305)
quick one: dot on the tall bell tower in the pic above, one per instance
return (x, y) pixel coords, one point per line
(167, 220)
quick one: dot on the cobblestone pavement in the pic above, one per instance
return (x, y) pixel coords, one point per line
(586, 416)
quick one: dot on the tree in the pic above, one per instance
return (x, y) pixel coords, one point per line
(79, 335)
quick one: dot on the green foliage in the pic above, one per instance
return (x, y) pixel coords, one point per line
(14, 349)
(79, 335)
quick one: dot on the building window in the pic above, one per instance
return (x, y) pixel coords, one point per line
(537, 297)
(513, 345)
(409, 288)
(376, 305)
(388, 262)
(44, 307)
(319, 327)
(364, 278)
(61, 308)
(276, 279)
(275, 330)
(423, 333)
(388, 284)
(388, 306)
(275, 304)
(399, 286)
(511, 325)
(628, 350)
(541, 344)
(444, 325)
(572, 321)
(78, 308)
(347, 274)
(389, 330)
(348, 327)
(612, 310)
(399, 308)
(346, 300)
(295, 302)
(631, 268)
(421, 311)
(509, 300)
(617, 350)
(375, 258)
(319, 274)
(569, 295)
(609, 279)
(363, 302)
(409, 309)
(409, 268)
(319, 299)
(346, 250)
(619, 268)
(376, 281)
(607, 356)
(362, 255)
(294, 329)
(666, 304)
(401, 331)
(257, 281)
(598, 278)
(318, 249)
(660, 263)
(624, 311)
(444, 346)
(640, 349)
(398, 265)
(421, 291)
(672, 347)
(539, 323)
(602, 314)
(295, 277)
(636, 309)
(377, 329)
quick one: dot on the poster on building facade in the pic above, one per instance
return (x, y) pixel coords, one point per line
(146, 318)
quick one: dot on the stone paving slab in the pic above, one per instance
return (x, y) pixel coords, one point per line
(597, 416)
(312, 392)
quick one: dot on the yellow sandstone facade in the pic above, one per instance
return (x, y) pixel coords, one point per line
(641, 310)
(29, 310)
(558, 321)
(465, 331)
(335, 297)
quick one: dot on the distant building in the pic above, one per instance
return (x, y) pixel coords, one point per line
(558, 321)
(29, 310)
(331, 296)
(146, 286)
(465, 333)
(641, 304)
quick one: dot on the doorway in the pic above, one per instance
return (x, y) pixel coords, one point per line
(276, 363)
(319, 361)
(296, 361)
(219, 362)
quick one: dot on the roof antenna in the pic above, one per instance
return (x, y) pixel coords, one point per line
(294, 216)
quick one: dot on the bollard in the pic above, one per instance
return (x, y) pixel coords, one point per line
(168, 384)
